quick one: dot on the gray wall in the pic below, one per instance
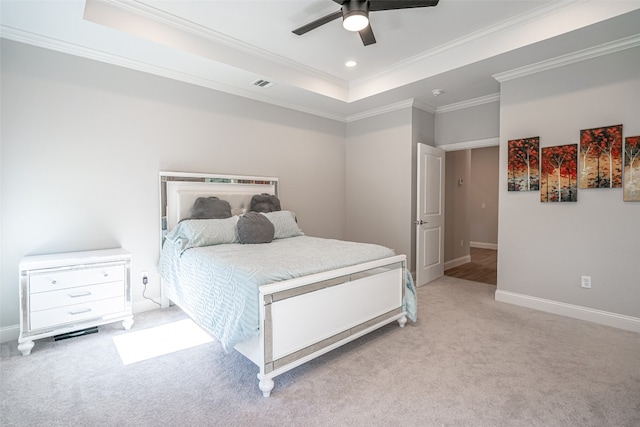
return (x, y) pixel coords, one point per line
(456, 225)
(546, 247)
(468, 124)
(465, 218)
(379, 181)
(82, 144)
(483, 184)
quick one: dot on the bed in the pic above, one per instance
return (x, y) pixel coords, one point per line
(280, 303)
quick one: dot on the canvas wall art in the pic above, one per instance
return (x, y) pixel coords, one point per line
(524, 167)
(559, 173)
(601, 157)
(631, 187)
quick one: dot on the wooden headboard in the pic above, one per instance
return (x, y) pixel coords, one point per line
(179, 190)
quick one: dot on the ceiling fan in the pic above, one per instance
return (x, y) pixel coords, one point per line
(355, 15)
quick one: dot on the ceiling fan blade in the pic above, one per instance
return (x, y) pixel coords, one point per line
(375, 5)
(318, 22)
(367, 36)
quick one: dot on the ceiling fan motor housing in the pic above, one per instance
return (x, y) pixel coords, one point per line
(355, 15)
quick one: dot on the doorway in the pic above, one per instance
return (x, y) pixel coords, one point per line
(471, 209)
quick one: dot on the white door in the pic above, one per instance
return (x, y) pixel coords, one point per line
(430, 215)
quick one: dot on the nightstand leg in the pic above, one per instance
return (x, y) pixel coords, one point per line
(25, 347)
(127, 323)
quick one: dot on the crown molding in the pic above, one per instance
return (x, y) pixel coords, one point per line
(392, 107)
(83, 52)
(469, 145)
(571, 58)
(514, 22)
(382, 110)
(495, 97)
(149, 12)
(420, 105)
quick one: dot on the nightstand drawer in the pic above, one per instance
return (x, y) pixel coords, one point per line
(61, 279)
(75, 313)
(79, 295)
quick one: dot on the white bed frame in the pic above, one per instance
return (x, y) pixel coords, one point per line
(302, 318)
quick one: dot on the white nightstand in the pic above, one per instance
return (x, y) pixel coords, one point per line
(61, 293)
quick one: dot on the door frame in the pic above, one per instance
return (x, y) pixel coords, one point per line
(466, 145)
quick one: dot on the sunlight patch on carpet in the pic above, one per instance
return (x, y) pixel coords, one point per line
(153, 342)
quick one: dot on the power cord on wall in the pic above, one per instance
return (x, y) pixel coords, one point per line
(145, 280)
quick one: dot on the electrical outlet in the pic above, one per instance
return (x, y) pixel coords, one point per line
(585, 282)
(461, 243)
(144, 277)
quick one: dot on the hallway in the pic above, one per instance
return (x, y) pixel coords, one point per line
(483, 267)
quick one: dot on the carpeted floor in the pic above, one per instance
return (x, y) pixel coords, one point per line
(468, 361)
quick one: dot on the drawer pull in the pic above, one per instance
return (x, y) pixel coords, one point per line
(53, 282)
(80, 294)
(105, 274)
(86, 310)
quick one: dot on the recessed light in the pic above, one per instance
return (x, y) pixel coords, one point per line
(437, 92)
(350, 64)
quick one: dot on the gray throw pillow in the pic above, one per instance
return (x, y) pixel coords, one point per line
(253, 227)
(264, 203)
(210, 208)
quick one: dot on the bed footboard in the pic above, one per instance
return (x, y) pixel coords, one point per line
(304, 318)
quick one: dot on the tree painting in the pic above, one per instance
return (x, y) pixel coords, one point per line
(631, 188)
(524, 173)
(601, 157)
(559, 173)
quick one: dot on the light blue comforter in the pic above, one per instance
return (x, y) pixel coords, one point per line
(219, 284)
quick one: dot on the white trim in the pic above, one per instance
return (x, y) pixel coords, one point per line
(501, 27)
(468, 145)
(456, 262)
(108, 58)
(482, 245)
(382, 110)
(157, 15)
(571, 58)
(392, 107)
(569, 310)
(495, 97)
(9, 333)
(145, 305)
(420, 105)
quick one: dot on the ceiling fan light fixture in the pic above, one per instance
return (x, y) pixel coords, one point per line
(356, 21)
(355, 16)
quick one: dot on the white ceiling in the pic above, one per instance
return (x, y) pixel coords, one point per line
(457, 46)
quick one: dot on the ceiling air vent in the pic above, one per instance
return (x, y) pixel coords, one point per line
(262, 83)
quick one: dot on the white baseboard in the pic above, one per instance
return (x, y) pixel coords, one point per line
(482, 245)
(456, 262)
(619, 321)
(145, 305)
(11, 333)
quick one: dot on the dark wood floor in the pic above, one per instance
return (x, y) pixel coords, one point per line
(483, 267)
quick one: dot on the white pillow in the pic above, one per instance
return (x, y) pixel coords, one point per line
(285, 224)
